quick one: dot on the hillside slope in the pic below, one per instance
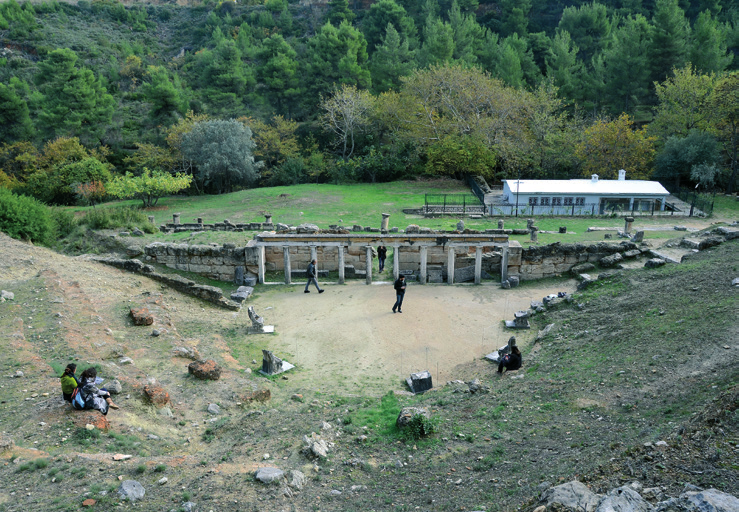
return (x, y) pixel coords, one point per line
(649, 355)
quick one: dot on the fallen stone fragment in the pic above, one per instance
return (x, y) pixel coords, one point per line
(120, 456)
(205, 370)
(269, 475)
(141, 316)
(131, 490)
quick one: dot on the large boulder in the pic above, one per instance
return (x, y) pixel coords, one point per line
(141, 316)
(609, 261)
(623, 499)
(573, 496)
(131, 490)
(205, 370)
(269, 475)
(95, 418)
(710, 500)
(156, 394)
(407, 413)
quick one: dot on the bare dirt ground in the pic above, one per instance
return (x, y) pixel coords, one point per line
(348, 337)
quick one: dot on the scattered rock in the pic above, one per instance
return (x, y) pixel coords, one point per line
(654, 263)
(125, 360)
(156, 332)
(214, 409)
(94, 418)
(205, 370)
(476, 386)
(89, 502)
(141, 316)
(18, 374)
(189, 506)
(186, 352)
(163, 480)
(570, 496)
(156, 394)
(121, 456)
(260, 395)
(407, 414)
(7, 295)
(296, 479)
(137, 232)
(131, 490)
(623, 499)
(269, 475)
(610, 261)
(114, 387)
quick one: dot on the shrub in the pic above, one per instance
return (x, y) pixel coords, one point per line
(419, 426)
(64, 222)
(25, 218)
(112, 218)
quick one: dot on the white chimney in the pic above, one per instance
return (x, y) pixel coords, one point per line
(594, 178)
(622, 175)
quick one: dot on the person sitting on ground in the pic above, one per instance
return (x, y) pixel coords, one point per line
(69, 381)
(94, 398)
(510, 361)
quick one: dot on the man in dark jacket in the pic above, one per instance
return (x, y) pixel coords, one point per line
(381, 255)
(511, 361)
(312, 277)
(399, 293)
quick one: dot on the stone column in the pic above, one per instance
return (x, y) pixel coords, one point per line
(478, 265)
(175, 218)
(314, 254)
(341, 264)
(260, 263)
(501, 224)
(385, 222)
(628, 222)
(368, 256)
(200, 220)
(534, 234)
(151, 219)
(529, 223)
(268, 218)
(288, 270)
(450, 266)
(396, 262)
(504, 265)
(424, 264)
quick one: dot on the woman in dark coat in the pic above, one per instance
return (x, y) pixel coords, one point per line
(94, 398)
(511, 361)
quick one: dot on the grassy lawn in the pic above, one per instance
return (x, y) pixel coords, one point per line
(363, 204)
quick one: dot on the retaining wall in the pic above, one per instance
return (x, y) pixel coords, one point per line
(538, 262)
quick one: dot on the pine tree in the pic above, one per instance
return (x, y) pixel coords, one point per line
(392, 60)
(670, 39)
(708, 49)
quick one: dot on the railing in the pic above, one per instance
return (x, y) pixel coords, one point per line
(698, 203)
(590, 210)
(452, 204)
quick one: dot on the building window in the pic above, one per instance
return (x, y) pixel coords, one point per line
(545, 201)
(556, 201)
(533, 201)
(569, 201)
(579, 201)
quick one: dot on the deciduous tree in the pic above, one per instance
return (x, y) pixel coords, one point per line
(346, 113)
(149, 186)
(609, 146)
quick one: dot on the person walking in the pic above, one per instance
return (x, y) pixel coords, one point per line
(399, 293)
(312, 277)
(381, 255)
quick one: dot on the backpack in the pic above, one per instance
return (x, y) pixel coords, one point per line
(77, 402)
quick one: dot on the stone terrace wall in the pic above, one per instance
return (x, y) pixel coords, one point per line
(549, 260)
(214, 261)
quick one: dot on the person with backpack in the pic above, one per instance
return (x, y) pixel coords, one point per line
(311, 273)
(69, 381)
(94, 398)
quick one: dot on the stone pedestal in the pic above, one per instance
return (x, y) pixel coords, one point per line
(534, 234)
(420, 382)
(563, 229)
(520, 321)
(501, 224)
(385, 222)
(175, 218)
(529, 223)
(460, 226)
(151, 219)
(200, 220)
(257, 324)
(628, 222)
(638, 237)
(267, 218)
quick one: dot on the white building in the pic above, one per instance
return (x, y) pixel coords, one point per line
(580, 197)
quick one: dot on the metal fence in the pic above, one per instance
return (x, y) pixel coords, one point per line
(698, 202)
(453, 204)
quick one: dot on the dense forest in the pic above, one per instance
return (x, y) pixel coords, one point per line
(101, 99)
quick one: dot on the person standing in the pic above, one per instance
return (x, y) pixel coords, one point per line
(381, 255)
(312, 277)
(399, 293)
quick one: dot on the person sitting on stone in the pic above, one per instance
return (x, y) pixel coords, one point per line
(510, 361)
(94, 398)
(69, 381)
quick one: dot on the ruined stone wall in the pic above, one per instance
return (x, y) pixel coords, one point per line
(538, 262)
(213, 261)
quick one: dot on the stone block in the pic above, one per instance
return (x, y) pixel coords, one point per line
(420, 382)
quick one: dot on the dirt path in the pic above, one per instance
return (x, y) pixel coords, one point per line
(349, 336)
